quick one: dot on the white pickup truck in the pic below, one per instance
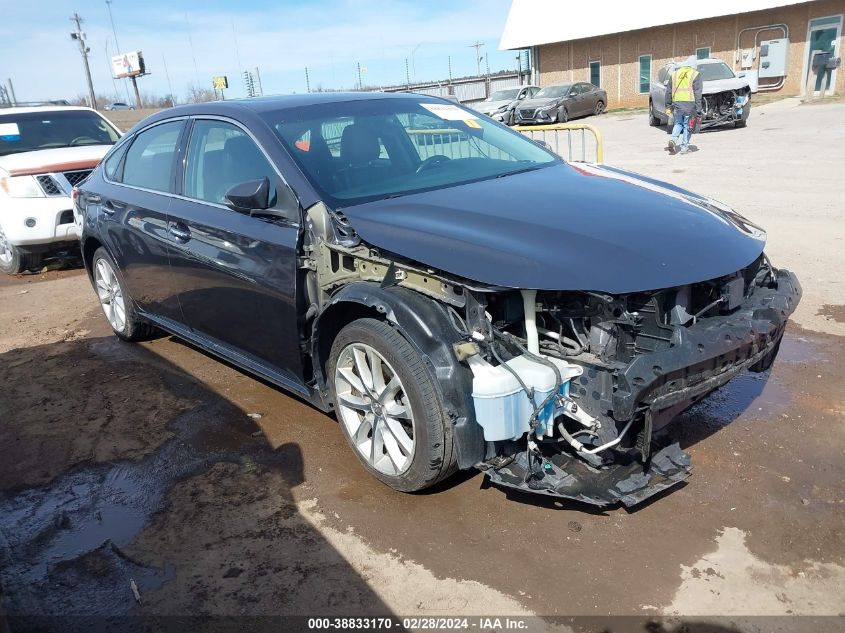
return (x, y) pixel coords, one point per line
(44, 152)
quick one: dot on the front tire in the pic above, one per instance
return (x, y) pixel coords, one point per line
(389, 406)
(117, 305)
(562, 115)
(13, 259)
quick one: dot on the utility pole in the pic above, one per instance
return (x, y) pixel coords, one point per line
(477, 46)
(79, 36)
(360, 83)
(413, 61)
(12, 92)
(407, 74)
(307, 81)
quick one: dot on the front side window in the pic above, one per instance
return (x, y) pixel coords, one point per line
(377, 148)
(30, 131)
(221, 155)
(149, 160)
(645, 73)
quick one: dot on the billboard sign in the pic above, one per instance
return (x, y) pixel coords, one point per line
(128, 65)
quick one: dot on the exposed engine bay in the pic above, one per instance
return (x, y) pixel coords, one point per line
(571, 388)
(724, 107)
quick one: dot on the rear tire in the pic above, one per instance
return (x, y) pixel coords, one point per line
(117, 305)
(740, 123)
(410, 457)
(653, 121)
(15, 260)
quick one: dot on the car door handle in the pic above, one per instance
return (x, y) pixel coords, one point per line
(179, 231)
(110, 207)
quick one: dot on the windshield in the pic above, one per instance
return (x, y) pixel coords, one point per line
(552, 92)
(358, 151)
(27, 132)
(504, 95)
(710, 72)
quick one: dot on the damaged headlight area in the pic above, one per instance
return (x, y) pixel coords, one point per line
(570, 388)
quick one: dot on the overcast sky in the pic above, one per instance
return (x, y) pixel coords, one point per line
(196, 40)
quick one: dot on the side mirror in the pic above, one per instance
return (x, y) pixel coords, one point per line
(573, 94)
(741, 74)
(249, 196)
(522, 95)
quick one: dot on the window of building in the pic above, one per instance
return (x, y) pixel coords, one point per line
(645, 73)
(702, 53)
(595, 73)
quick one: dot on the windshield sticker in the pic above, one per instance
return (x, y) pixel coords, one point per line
(472, 123)
(448, 112)
(9, 132)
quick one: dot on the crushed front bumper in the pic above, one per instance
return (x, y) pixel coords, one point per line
(659, 386)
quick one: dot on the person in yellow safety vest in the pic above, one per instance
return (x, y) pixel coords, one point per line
(683, 98)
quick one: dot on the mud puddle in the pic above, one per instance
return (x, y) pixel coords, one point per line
(72, 532)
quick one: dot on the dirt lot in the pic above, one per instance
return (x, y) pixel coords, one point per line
(215, 493)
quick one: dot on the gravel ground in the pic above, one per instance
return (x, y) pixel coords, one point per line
(147, 464)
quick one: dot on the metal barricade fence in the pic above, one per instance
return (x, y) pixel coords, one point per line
(590, 151)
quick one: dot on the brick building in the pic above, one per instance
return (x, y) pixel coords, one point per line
(622, 45)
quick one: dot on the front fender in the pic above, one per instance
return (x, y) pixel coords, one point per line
(425, 323)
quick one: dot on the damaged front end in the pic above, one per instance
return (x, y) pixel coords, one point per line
(557, 392)
(728, 106)
(582, 381)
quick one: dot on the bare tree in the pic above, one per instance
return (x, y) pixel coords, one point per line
(198, 94)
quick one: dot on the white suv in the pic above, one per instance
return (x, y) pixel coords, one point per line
(44, 152)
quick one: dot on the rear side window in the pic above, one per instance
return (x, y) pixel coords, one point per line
(149, 160)
(221, 155)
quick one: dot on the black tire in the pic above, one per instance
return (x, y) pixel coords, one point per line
(740, 123)
(653, 121)
(562, 115)
(433, 456)
(599, 109)
(21, 261)
(135, 328)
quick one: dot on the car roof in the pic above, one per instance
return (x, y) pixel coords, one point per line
(282, 102)
(50, 108)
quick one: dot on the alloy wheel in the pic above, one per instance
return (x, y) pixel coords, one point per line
(110, 295)
(374, 408)
(599, 107)
(6, 253)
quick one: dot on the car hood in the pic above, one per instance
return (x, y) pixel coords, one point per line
(44, 161)
(721, 85)
(492, 106)
(538, 103)
(564, 227)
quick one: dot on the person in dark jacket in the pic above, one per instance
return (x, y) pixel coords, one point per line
(683, 99)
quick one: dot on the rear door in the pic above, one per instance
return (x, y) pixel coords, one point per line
(234, 273)
(659, 88)
(133, 208)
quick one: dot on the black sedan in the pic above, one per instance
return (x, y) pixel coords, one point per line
(559, 104)
(457, 295)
